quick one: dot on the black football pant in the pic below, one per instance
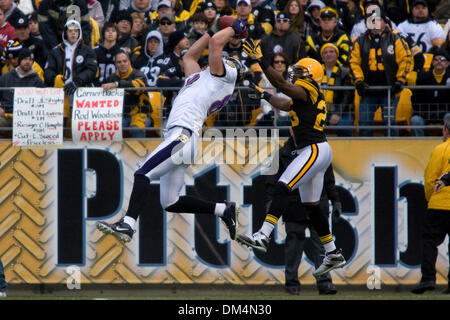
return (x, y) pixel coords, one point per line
(295, 244)
(437, 226)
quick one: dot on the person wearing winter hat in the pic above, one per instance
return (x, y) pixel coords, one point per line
(21, 76)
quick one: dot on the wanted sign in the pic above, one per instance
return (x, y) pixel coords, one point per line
(38, 117)
(97, 115)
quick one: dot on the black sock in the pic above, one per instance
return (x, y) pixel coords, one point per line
(319, 220)
(280, 200)
(188, 204)
(139, 194)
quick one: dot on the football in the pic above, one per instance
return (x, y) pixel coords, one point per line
(227, 21)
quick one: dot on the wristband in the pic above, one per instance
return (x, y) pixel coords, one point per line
(266, 96)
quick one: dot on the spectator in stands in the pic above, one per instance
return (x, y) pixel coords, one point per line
(244, 11)
(199, 26)
(37, 46)
(105, 53)
(22, 76)
(96, 12)
(181, 16)
(223, 8)
(329, 33)
(139, 28)
(166, 27)
(339, 102)
(361, 26)
(350, 14)
(432, 105)
(11, 11)
(379, 57)
(34, 26)
(150, 62)
(172, 74)
(437, 221)
(164, 7)
(125, 39)
(312, 15)
(208, 8)
(295, 10)
(425, 31)
(71, 64)
(137, 107)
(263, 13)
(282, 39)
(10, 58)
(6, 30)
(143, 7)
(52, 16)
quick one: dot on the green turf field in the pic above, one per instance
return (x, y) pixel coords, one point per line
(217, 293)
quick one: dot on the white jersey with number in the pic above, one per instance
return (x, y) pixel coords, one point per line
(424, 34)
(202, 95)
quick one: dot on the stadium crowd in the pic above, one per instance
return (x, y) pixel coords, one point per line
(391, 43)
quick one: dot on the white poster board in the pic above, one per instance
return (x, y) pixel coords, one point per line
(97, 115)
(38, 117)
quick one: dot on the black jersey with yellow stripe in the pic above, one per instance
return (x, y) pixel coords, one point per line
(308, 117)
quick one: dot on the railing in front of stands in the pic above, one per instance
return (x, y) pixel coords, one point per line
(244, 110)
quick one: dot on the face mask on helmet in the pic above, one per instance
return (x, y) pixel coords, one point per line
(306, 67)
(239, 66)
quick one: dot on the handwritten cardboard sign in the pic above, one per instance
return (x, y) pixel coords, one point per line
(38, 117)
(97, 115)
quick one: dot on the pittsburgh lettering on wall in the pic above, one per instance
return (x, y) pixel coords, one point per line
(75, 208)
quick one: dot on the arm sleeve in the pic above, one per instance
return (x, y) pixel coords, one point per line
(432, 171)
(403, 58)
(355, 63)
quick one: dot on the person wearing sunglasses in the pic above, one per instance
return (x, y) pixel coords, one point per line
(431, 105)
(282, 39)
(166, 26)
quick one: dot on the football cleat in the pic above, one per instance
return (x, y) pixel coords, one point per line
(120, 229)
(258, 241)
(230, 218)
(330, 262)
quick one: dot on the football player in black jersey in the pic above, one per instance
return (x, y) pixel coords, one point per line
(307, 111)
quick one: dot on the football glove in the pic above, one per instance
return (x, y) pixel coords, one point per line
(239, 26)
(252, 49)
(361, 88)
(397, 87)
(264, 94)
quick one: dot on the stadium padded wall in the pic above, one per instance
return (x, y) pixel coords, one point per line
(50, 200)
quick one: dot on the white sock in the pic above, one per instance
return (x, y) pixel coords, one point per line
(130, 221)
(219, 209)
(330, 246)
(267, 228)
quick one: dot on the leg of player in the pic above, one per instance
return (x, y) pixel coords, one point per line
(161, 164)
(260, 239)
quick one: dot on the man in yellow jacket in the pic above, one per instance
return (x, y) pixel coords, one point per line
(437, 221)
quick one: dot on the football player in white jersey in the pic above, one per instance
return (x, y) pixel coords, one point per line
(204, 92)
(426, 32)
